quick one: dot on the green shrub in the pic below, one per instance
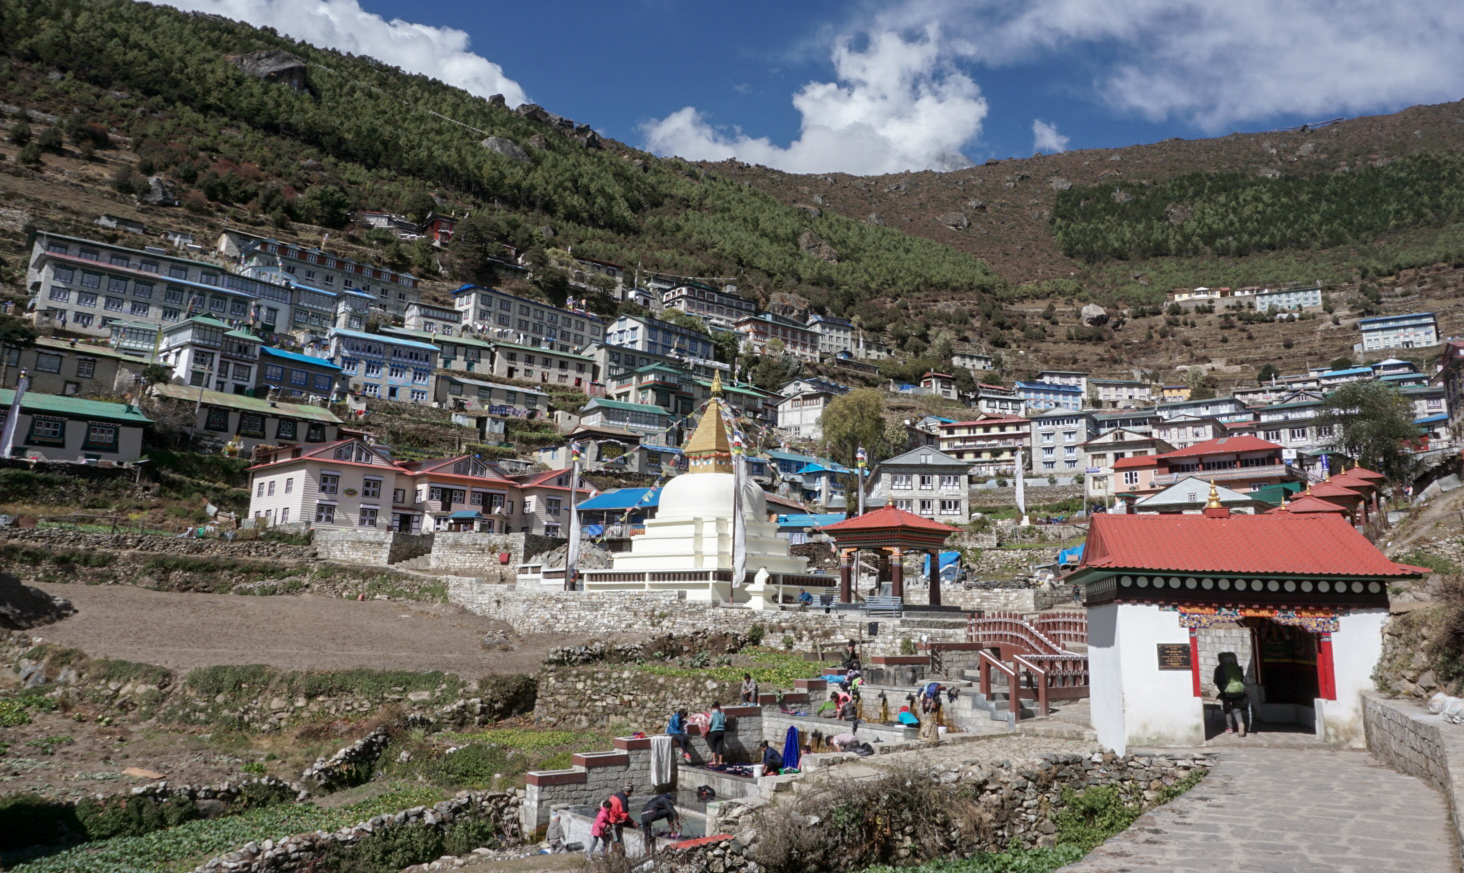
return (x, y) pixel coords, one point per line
(755, 634)
(1088, 818)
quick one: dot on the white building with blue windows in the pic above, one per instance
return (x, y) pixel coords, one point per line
(385, 367)
(658, 337)
(1306, 297)
(1050, 395)
(1413, 331)
(294, 375)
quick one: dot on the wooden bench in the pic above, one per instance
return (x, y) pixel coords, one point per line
(883, 605)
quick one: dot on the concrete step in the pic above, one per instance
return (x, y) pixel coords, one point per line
(421, 562)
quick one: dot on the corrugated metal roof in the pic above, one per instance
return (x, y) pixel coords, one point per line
(74, 407)
(1225, 445)
(1281, 543)
(246, 404)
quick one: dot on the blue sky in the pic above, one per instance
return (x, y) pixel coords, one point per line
(873, 86)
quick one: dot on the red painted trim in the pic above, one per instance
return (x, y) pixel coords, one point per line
(551, 777)
(600, 759)
(626, 744)
(1326, 671)
(746, 711)
(1194, 642)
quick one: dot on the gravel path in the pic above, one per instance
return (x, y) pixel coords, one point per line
(182, 631)
(1289, 811)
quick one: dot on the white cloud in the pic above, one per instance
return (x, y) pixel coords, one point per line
(1045, 137)
(440, 52)
(1215, 64)
(897, 104)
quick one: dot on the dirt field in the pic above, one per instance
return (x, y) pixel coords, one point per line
(183, 631)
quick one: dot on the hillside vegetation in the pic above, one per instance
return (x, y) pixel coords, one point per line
(364, 135)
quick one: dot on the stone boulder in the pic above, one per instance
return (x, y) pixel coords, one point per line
(788, 305)
(876, 219)
(1094, 315)
(23, 607)
(814, 245)
(955, 221)
(506, 147)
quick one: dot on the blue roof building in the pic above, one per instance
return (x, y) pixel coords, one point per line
(387, 367)
(1050, 395)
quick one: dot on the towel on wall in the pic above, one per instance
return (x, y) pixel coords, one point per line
(791, 749)
(663, 762)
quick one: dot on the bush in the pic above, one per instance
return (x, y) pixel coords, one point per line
(755, 634)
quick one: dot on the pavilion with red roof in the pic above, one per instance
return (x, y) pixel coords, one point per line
(892, 532)
(1300, 597)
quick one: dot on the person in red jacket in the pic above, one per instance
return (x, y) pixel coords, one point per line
(620, 816)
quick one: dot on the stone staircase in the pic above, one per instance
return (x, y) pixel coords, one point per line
(419, 564)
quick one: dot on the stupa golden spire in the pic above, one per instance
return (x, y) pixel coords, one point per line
(710, 450)
(1214, 501)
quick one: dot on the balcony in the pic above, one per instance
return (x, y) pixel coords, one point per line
(1229, 474)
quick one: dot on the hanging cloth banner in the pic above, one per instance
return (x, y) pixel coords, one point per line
(1315, 621)
(739, 524)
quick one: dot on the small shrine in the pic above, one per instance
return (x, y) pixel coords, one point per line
(1300, 597)
(893, 533)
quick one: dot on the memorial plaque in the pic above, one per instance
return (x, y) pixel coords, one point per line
(1174, 656)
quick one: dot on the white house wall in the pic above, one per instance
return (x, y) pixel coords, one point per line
(1356, 648)
(1156, 707)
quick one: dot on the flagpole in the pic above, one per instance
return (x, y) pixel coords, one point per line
(1021, 474)
(863, 459)
(739, 526)
(571, 556)
(12, 418)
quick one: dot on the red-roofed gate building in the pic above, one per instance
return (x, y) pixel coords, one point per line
(1301, 599)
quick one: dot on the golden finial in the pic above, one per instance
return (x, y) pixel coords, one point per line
(1308, 489)
(1214, 501)
(717, 384)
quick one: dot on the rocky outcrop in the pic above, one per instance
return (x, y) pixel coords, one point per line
(159, 192)
(813, 245)
(349, 766)
(506, 147)
(955, 221)
(788, 305)
(273, 66)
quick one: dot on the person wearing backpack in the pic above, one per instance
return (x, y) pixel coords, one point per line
(1230, 680)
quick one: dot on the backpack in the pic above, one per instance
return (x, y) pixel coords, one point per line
(705, 794)
(1234, 679)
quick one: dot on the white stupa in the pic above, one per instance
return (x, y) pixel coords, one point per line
(687, 547)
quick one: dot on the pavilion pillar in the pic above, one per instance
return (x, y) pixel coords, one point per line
(881, 569)
(846, 575)
(897, 572)
(934, 577)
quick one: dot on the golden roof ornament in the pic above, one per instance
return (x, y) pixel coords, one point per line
(717, 384)
(709, 450)
(1214, 501)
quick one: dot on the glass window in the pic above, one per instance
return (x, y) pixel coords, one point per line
(251, 424)
(330, 483)
(218, 419)
(367, 518)
(371, 488)
(285, 430)
(85, 299)
(47, 431)
(91, 280)
(85, 367)
(116, 285)
(325, 513)
(48, 363)
(142, 289)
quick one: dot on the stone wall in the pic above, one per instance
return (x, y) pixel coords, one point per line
(621, 615)
(594, 696)
(1409, 738)
(300, 852)
(56, 538)
(370, 546)
(481, 554)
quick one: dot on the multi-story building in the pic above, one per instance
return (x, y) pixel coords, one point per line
(1244, 463)
(989, 444)
(652, 422)
(1102, 452)
(765, 329)
(940, 384)
(219, 418)
(1174, 393)
(544, 366)
(1225, 409)
(672, 388)
(546, 501)
(433, 319)
(275, 261)
(1057, 440)
(658, 337)
(971, 360)
(461, 493)
(1188, 430)
(1292, 426)
(801, 405)
(1393, 367)
(1331, 380)
(834, 334)
(384, 366)
(205, 352)
(1134, 420)
(285, 374)
(519, 320)
(1451, 377)
(1050, 395)
(55, 428)
(1075, 378)
(463, 354)
(315, 311)
(1413, 331)
(84, 286)
(68, 368)
(725, 307)
(1304, 297)
(339, 484)
(491, 398)
(1119, 393)
(926, 482)
(1427, 400)
(611, 361)
(996, 400)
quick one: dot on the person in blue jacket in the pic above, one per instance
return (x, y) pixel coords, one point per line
(676, 730)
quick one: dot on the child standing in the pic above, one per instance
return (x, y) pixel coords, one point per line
(600, 832)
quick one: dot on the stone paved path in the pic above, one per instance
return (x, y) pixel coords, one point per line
(1289, 811)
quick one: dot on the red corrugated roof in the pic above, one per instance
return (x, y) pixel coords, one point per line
(886, 518)
(1225, 445)
(1330, 489)
(1311, 544)
(1314, 504)
(1365, 473)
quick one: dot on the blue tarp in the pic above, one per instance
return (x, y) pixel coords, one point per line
(797, 520)
(1070, 556)
(623, 498)
(461, 514)
(946, 559)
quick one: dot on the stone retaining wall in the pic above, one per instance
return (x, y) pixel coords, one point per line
(370, 546)
(1408, 737)
(57, 538)
(481, 554)
(595, 695)
(299, 853)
